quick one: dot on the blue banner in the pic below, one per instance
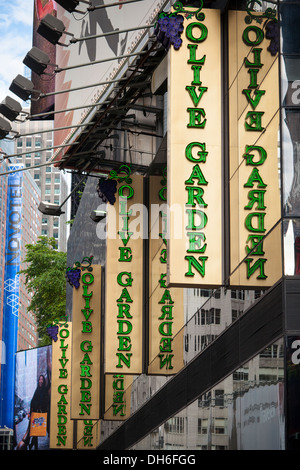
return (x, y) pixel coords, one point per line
(11, 294)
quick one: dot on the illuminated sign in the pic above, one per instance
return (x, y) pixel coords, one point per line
(166, 312)
(254, 173)
(61, 425)
(86, 341)
(124, 278)
(194, 153)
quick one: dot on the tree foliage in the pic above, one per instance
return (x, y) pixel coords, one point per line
(45, 280)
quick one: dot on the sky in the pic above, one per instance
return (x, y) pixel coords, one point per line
(16, 18)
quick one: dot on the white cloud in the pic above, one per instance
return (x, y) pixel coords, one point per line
(16, 12)
(16, 18)
(22, 14)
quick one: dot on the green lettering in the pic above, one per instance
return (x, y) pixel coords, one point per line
(258, 265)
(192, 92)
(196, 118)
(195, 194)
(254, 123)
(125, 254)
(255, 178)
(201, 153)
(192, 60)
(125, 359)
(250, 157)
(260, 222)
(196, 242)
(198, 265)
(256, 196)
(191, 219)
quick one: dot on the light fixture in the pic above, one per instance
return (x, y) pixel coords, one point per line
(22, 87)
(51, 28)
(97, 215)
(10, 108)
(36, 60)
(5, 128)
(48, 208)
(70, 5)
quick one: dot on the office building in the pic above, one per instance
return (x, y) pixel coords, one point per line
(34, 147)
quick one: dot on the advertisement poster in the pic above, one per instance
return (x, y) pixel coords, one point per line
(46, 104)
(32, 398)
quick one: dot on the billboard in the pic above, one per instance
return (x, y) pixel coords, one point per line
(45, 104)
(32, 395)
(11, 292)
(96, 51)
(194, 154)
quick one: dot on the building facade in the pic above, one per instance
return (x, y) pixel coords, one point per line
(34, 147)
(31, 223)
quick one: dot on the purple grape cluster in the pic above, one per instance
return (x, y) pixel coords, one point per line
(272, 33)
(73, 277)
(168, 31)
(106, 189)
(52, 331)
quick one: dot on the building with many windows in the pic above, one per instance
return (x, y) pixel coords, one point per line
(34, 149)
(30, 231)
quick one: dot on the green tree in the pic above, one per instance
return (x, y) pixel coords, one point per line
(45, 280)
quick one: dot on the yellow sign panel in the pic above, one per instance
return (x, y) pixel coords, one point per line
(166, 312)
(117, 396)
(194, 155)
(86, 345)
(61, 425)
(124, 279)
(255, 250)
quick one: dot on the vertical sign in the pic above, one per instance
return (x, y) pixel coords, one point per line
(166, 312)
(194, 153)
(11, 293)
(124, 279)
(86, 344)
(117, 396)
(61, 425)
(255, 248)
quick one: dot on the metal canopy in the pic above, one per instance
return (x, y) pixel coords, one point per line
(87, 154)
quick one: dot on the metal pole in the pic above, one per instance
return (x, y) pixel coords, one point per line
(43, 95)
(94, 36)
(57, 70)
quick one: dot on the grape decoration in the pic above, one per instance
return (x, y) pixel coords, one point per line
(73, 277)
(106, 189)
(168, 31)
(272, 33)
(52, 331)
